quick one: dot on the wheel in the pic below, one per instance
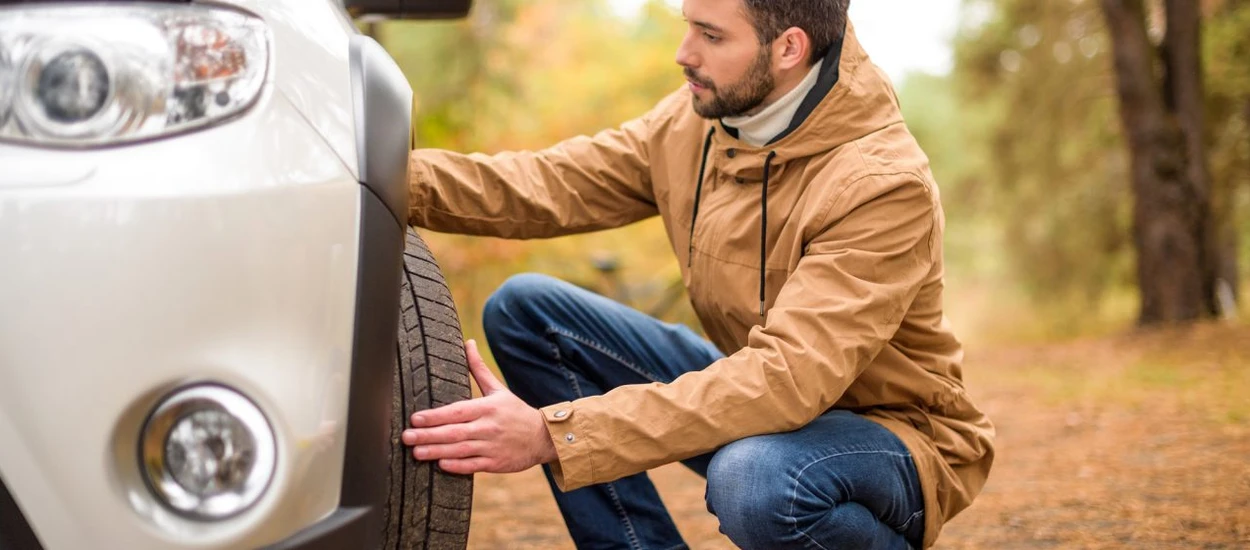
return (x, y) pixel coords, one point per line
(427, 508)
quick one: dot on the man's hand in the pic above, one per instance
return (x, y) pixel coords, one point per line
(495, 433)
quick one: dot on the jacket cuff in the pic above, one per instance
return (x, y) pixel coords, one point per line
(418, 184)
(573, 468)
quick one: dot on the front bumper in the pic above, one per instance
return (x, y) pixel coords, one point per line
(230, 255)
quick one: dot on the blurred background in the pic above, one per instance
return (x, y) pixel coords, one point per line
(1015, 102)
(1094, 162)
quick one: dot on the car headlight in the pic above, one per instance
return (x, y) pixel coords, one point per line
(207, 452)
(6, 86)
(100, 75)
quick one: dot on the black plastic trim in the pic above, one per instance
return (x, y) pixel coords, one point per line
(383, 104)
(366, 460)
(345, 528)
(7, 2)
(411, 9)
(15, 532)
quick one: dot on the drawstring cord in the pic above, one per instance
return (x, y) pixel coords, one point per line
(698, 190)
(764, 228)
(694, 214)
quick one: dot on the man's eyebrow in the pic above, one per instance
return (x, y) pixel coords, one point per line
(707, 26)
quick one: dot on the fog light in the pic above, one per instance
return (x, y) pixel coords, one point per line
(207, 452)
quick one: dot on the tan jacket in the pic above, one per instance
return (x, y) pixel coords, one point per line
(853, 266)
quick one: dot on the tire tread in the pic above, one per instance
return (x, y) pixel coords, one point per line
(427, 509)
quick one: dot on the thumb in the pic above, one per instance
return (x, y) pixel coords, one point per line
(477, 367)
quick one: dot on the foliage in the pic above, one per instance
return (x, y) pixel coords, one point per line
(1023, 135)
(1058, 182)
(1036, 80)
(524, 75)
(1226, 50)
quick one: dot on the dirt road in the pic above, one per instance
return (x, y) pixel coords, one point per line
(1138, 441)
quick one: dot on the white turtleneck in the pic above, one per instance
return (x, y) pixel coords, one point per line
(760, 128)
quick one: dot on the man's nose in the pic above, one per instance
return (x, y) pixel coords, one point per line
(686, 56)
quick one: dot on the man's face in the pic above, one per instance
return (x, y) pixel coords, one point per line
(729, 72)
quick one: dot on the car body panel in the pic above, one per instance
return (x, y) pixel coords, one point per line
(104, 310)
(309, 65)
(247, 253)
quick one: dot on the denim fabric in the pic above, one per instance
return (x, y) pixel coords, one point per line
(840, 482)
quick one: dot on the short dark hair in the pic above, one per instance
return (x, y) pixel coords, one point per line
(824, 21)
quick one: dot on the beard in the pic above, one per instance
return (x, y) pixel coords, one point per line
(740, 97)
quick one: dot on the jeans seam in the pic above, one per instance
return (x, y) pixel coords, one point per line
(602, 349)
(609, 487)
(568, 373)
(624, 517)
(812, 540)
(914, 517)
(794, 491)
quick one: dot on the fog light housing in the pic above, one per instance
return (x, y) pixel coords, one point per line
(207, 452)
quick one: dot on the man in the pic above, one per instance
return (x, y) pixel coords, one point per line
(828, 409)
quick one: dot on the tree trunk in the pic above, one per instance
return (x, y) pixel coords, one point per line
(1224, 207)
(1171, 209)
(1183, 59)
(1230, 258)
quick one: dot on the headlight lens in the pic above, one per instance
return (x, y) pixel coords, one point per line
(97, 75)
(72, 86)
(208, 452)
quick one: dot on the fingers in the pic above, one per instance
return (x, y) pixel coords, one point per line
(476, 435)
(463, 449)
(466, 465)
(477, 367)
(463, 411)
(451, 433)
(456, 413)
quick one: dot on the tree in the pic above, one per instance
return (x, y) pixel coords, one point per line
(1050, 160)
(1046, 177)
(1226, 41)
(1163, 119)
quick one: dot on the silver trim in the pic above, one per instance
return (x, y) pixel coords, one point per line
(156, 432)
(356, 64)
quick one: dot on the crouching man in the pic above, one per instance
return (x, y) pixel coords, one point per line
(827, 410)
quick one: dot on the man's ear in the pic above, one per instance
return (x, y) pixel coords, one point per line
(792, 49)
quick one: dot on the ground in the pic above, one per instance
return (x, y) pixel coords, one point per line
(1135, 441)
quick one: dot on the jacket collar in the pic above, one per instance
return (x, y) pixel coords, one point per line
(851, 99)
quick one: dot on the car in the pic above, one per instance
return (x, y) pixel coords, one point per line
(214, 318)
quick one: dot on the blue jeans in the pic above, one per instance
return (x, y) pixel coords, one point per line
(842, 481)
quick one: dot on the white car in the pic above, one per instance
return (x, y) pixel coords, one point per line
(214, 320)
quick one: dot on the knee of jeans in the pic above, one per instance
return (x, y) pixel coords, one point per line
(509, 305)
(750, 494)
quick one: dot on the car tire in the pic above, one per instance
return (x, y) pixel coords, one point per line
(427, 508)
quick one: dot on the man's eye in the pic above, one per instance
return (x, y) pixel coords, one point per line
(711, 37)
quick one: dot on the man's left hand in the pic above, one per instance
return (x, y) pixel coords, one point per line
(495, 433)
